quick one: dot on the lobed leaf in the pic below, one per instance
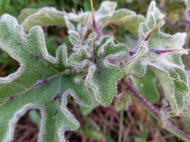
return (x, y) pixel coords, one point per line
(36, 84)
(102, 76)
(26, 13)
(106, 15)
(168, 67)
(42, 17)
(103, 81)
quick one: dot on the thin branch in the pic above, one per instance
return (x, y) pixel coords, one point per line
(165, 123)
(93, 30)
(148, 105)
(120, 126)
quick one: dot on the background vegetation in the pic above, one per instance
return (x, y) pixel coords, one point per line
(103, 123)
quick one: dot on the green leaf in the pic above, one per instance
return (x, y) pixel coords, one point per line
(42, 17)
(103, 80)
(3, 6)
(106, 15)
(123, 17)
(36, 83)
(25, 13)
(35, 117)
(147, 86)
(102, 76)
(168, 67)
(87, 110)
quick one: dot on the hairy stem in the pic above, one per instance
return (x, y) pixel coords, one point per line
(137, 95)
(165, 123)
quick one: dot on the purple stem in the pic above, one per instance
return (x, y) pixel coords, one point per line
(186, 46)
(156, 113)
(170, 127)
(148, 105)
(162, 51)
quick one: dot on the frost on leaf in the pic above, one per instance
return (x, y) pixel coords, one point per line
(103, 75)
(168, 67)
(107, 14)
(36, 83)
(48, 16)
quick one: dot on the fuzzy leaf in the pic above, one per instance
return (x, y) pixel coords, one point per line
(123, 17)
(36, 83)
(42, 17)
(106, 15)
(103, 76)
(25, 13)
(103, 81)
(168, 67)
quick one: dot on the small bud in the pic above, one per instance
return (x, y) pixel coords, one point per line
(131, 53)
(123, 101)
(41, 82)
(67, 71)
(11, 98)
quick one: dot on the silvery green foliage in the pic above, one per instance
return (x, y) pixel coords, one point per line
(103, 75)
(25, 13)
(41, 77)
(107, 14)
(168, 67)
(60, 78)
(44, 82)
(48, 16)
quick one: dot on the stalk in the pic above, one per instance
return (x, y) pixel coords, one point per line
(120, 126)
(165, 123)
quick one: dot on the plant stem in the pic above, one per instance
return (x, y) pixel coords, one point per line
(93, 30)
(165, 123)
(147, 104)
(120, 126)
